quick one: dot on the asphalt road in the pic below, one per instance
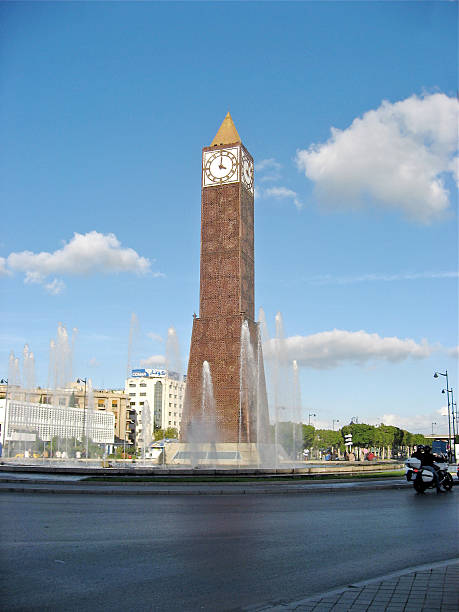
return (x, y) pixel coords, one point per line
(91, 552)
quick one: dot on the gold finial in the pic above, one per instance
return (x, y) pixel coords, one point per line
(227, 134)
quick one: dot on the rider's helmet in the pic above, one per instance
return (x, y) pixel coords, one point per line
(427, 449)
(420, 447)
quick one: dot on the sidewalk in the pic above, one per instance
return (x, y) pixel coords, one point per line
(433, 588)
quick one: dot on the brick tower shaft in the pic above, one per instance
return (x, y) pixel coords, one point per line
(226, 287)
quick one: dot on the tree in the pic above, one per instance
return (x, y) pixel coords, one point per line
(72, 400)
(362, 434)
(327, 438)
(170, 432)
(308, 436)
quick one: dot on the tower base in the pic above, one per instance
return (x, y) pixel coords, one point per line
(224, 454)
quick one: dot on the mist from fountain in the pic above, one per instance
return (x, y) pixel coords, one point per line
(133, 337)
(173, 355)
(253, 396)
(284, 391)
(89, 417)
(14, 375)
(146, 429)
(28, 369)
(202, 432)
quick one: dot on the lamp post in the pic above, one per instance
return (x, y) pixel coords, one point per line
(433, 428)
(333, 423)
(454, 423)
(311, 414)
(445, 374)
(83, 380)
(4, 381)
(455, 429)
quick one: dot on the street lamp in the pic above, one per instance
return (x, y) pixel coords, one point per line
(4, 381)
(448, 390)
(454, 422)
(84, 380)
(333, 423)
(311, 414)
(433, 428)
(455, 429)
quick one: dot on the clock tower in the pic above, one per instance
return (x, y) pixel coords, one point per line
(226, 293)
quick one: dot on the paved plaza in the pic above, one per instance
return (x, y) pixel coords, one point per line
(428, 589)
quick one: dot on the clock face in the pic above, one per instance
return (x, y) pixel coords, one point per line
(247, 172)
(221, 167)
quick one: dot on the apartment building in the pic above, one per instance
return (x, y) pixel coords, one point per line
(163, 391)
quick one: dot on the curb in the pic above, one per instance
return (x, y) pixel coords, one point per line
(283, 489)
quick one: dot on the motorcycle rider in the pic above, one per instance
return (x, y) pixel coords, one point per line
(427, 461)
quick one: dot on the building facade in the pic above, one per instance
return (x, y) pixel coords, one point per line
(76, 396)
(163, 393)
(28, 421)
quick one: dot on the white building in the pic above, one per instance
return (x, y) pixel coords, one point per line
(27, 421)
(164, 391)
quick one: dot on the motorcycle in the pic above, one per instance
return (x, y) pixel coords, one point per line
(423, 478)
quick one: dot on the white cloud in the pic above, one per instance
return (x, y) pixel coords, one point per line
(328, 279)
(397, 155)
(55, 287)
(3, 270)
(269, 170)
(283, 193)
(153, 361)
(419, 423)
(454, 352)
(331, 349)
(83, 255)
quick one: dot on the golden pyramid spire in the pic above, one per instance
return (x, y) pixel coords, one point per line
(227, 134)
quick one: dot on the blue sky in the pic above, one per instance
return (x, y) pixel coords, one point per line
(349, 111)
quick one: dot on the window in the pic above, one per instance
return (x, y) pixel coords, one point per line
(142, 394)
(143, 384)
(114, 403)
(132, 384)
(141, 403)
(131, 394)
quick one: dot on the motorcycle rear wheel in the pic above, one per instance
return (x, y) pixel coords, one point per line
(448, 482)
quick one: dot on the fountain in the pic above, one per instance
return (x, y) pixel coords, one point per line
(146, 429)
(48, 423)
(173, 356)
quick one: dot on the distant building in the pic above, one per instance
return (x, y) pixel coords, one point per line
(105, 400)
(164, 391)
(27, 421)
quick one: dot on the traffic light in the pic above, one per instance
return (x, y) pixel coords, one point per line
(348, 439)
